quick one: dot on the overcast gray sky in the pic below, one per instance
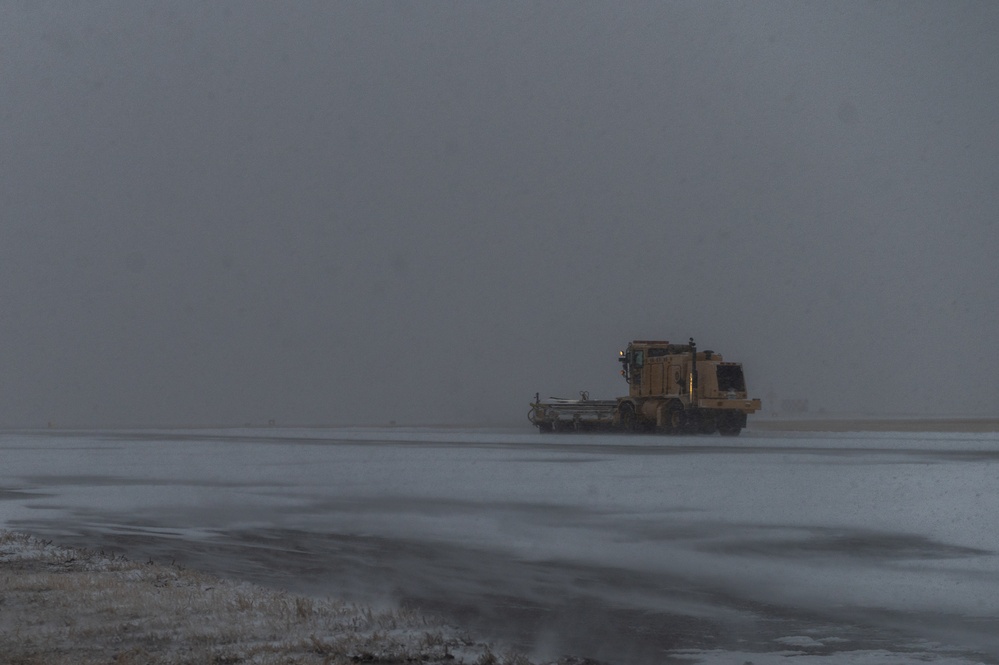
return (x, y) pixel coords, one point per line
(323, 212)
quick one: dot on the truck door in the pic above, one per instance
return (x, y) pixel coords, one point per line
(658, 370)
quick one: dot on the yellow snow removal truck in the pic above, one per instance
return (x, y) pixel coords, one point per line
(673, 389)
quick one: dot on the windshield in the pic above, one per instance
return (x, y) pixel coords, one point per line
(730, 378)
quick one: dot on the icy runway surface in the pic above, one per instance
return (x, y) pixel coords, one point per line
(846, 547)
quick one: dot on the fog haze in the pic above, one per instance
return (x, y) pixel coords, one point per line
(233, 212)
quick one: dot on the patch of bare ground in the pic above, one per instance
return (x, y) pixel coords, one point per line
(70, 606)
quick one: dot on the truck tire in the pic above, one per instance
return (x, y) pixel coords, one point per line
(731, 423)
(672, 417)
(629, 421)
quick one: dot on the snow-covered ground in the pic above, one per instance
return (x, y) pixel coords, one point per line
(73, 606)
(773, 547)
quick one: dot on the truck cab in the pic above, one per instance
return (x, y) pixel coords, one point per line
(676, 388)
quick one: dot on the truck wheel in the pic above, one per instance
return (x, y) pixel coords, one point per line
(672, 419)
(731, 423)
(629, 423)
